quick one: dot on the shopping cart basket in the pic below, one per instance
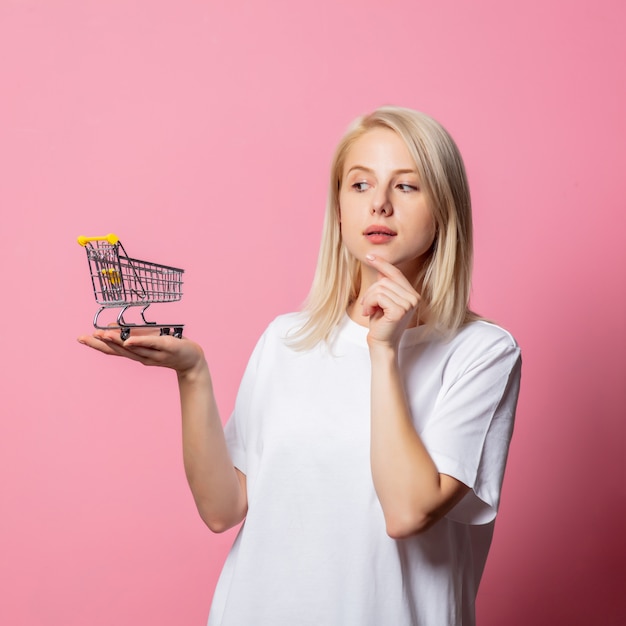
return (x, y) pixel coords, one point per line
(121, 282)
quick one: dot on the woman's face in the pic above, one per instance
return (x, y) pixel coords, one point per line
(382, 207)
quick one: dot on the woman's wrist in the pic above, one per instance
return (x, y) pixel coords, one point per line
(197, 372)
(382, 352)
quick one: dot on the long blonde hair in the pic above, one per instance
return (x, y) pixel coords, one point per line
(445, 280)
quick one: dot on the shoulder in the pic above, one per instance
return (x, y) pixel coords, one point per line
(484, 345)
(478, 346)
(484, 336)
(283, 326)
(277, 333)
(271, 345)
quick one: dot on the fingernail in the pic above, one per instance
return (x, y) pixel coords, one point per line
(370, 257)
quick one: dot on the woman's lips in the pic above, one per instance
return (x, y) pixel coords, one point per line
(379, 234)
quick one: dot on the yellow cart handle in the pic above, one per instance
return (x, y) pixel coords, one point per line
(111, 238)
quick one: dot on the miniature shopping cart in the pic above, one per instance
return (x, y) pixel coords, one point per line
(121, 282)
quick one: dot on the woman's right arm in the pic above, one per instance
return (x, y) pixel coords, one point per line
(218, 488)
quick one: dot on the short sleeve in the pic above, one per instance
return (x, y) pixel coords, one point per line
(236, 427)
(469, 435)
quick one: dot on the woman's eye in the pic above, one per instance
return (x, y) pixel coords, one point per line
(360, 186)
(406, 188)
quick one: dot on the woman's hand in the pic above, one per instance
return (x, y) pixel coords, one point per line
(148, 348)
(390, 303)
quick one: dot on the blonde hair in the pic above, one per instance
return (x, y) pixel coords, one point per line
(445, 279)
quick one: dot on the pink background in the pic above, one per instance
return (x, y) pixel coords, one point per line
(201, 133)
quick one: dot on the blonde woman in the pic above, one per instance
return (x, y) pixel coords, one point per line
(368, 442)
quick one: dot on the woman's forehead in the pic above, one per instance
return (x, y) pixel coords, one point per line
(379, 149)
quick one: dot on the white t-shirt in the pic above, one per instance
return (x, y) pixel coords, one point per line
(313, 550)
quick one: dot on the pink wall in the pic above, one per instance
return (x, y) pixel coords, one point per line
(201, 132)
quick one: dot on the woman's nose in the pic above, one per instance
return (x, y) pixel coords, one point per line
(381, 203)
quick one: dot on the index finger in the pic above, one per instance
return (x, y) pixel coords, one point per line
(387, 269)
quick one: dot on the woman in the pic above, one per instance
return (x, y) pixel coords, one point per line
(368, 443)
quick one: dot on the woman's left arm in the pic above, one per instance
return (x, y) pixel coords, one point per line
(412, 492)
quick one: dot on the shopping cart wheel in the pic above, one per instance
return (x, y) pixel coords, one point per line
(178, 332)
(165, 331)
(125, 333)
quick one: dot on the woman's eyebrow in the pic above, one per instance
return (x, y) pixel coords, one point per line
(371, 171)
(359, 167)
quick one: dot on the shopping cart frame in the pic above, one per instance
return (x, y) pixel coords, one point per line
(120, 281)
